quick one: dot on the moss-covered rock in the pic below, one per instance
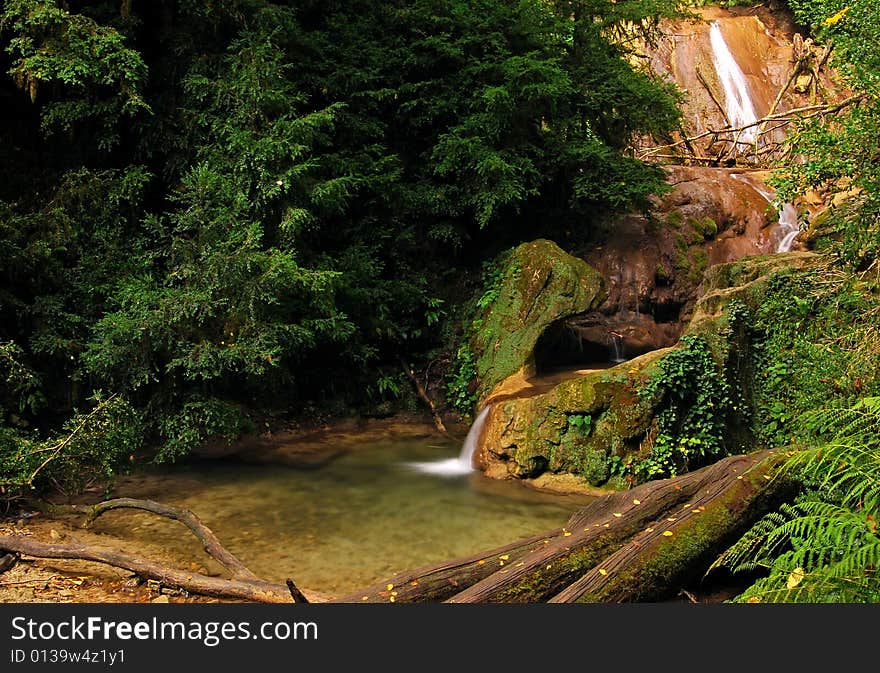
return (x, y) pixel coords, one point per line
(540, 284)
(599, 425)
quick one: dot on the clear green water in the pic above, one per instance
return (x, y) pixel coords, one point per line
(359, 519)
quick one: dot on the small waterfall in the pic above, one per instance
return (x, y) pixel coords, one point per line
(618, 346)
(740, 110)
(463, 464)
(788, 227)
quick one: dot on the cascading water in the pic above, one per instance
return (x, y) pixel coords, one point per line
(463, 464)
(788, 227)
(617, 344)
(740, 110)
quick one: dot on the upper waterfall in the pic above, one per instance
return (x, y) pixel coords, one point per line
(739, 107)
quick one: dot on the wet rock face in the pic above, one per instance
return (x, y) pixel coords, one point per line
(539, 285)
(654, 263)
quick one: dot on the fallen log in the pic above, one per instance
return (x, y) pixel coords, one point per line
(258, 591)
(680, 548)
(437, 582)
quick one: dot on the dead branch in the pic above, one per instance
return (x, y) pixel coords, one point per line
(295, 593)
(204, 534)
(7, 561)
(56, 450)
(420, 390)
(258, 591)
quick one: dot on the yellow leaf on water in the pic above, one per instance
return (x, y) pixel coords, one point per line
(389, 587)
(667, 533)
(603, 572)
(637, 502)
(796, 577)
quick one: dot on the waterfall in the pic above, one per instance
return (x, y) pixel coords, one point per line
(740, 110)
(617, 343)
(788, 227)
(463, 464)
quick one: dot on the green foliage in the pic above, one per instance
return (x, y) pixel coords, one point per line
(840, 152)
(100, 74)
(199, 420)
(824, 548)
(814, 341)
(693, 397)
(210, 207)
(90, 447)
(460, 379)
(580, 423)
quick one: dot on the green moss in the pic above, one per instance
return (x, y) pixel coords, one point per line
(662, 275)
(539, 284)
(675, 219)
(544, 583)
